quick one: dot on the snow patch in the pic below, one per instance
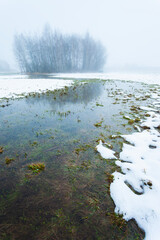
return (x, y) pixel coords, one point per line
(145, 78)
(105, 152)
(148, 109)
(17, 87)
(136, 191)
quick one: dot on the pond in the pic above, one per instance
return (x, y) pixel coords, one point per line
(70, 197)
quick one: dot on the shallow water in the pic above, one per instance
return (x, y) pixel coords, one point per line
(70, 199)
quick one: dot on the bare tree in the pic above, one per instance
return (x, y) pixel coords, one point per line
(54, 52)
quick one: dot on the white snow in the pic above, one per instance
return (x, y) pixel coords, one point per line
(137, 127)
(13, 76)
(152, 78)
(148, 109)
(15, 86)
(153, 121)
(136, 191)
(105, 152)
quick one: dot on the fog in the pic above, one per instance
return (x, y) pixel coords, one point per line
(128, 29)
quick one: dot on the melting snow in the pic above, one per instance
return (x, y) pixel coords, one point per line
(105, 152)
(136, 191)
(15, 86)
(153, 78)
(148, 109)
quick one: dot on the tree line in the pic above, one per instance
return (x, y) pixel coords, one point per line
(52, 51)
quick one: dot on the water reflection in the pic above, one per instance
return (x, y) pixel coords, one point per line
(83, 94)
(70, 199)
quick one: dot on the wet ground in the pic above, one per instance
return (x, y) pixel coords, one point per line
(70, 198)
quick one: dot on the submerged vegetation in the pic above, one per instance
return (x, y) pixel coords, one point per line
(9, 160)
(58, 132)
(36, 167)
(1, 149)
(99, 124)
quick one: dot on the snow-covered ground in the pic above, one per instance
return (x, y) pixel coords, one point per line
(13, 76)
(136, 191)
(15, 86)
(152, 78)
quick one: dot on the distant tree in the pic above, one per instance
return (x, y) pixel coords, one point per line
(54, 52)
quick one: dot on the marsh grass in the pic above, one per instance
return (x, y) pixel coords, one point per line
(70, 199)
(36, 167)
(8, 160)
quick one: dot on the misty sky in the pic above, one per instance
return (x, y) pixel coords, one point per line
(130, 29)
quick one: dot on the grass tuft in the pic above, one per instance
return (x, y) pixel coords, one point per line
(36, 167)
